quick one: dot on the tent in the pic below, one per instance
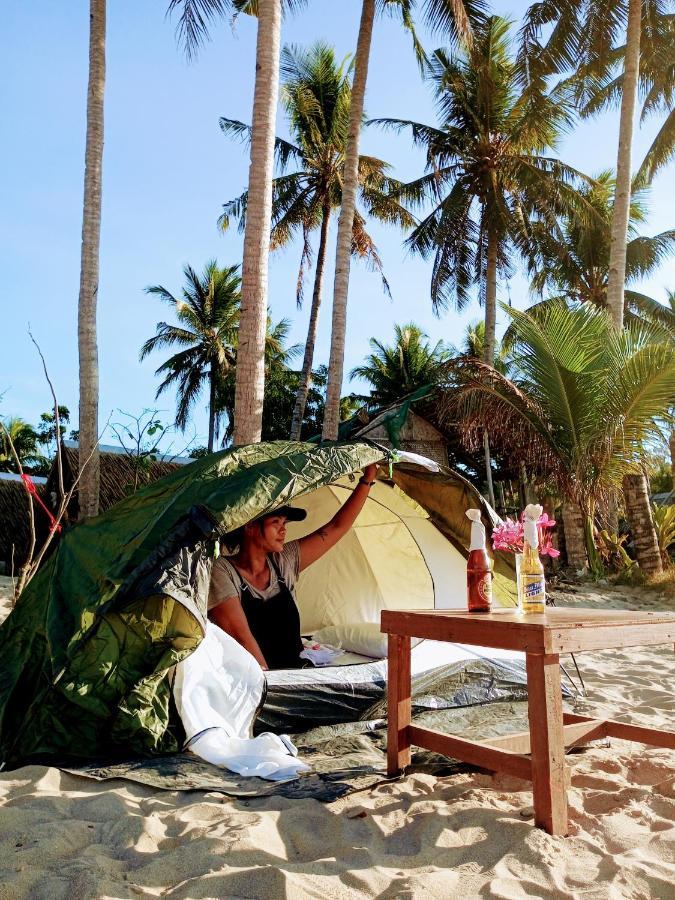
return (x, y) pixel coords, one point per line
(89, 647)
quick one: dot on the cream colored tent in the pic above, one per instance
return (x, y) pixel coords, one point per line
(406, 551)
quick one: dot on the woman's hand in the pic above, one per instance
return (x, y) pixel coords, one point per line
(370, 472)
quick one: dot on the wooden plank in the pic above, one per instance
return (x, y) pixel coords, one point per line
(473, 752)
(398, 700)
(653, 736)
(603, 637)
(573, 734)
(481, 629)
(544, 707)
(555, 631)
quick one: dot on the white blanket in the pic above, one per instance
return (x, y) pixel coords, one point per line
(218, 690)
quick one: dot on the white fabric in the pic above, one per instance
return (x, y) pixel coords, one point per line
(418, 460)
(218, 690)
(364, 638)
(321, 654)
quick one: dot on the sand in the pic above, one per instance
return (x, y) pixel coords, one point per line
(468, 835)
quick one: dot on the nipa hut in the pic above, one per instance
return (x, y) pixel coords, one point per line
(15, 520)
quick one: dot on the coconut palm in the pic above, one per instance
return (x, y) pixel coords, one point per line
(277, 360)
(16, 433)
(453, 18)
(316, 96)
(572, 262)
(399, 369)
(195, 18)
(656, 92)
(208, 315)
(88, 488)
(583, 401)
(582, 37)
(488, 175)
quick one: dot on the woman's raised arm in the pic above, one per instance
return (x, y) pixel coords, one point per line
(318, 542)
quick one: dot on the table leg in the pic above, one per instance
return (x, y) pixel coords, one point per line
(547, 745)
(398, 702)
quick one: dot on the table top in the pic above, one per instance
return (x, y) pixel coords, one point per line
(557, 630)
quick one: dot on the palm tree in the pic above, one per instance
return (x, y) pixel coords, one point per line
(582, 36)
(277, 360)
(488, 174)
(656, 91)
(316, 95)
(16, 433)
(399, 369)
(89, 265)
(450, 17)
(195, 17)
(583, 401)
(208, 316)
(572, 263)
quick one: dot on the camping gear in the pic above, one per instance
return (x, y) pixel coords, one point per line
(218, 690)
(122, 599)
(478, 567)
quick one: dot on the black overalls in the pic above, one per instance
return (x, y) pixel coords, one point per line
(275, 624)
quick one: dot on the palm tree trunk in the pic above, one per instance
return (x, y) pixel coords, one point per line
(672, 457)
(344, 237)
(639, 514)
(88, 490)
(575, 536)
(212, 406)
(306, 374)
(491, 300)
(250, 374)
(622, 192)
(489, 348)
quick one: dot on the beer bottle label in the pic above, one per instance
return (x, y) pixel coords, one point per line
(485, 588)
(534, 592)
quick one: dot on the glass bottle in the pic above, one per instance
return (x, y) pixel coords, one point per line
(478, 567)
(531, 568)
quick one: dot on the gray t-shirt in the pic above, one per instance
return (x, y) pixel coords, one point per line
(226, 581)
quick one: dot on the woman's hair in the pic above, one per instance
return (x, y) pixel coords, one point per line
(232, 540)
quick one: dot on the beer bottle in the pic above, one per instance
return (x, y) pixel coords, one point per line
(531, 568)
(478, 567)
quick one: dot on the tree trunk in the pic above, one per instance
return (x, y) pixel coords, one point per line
(212, 407)
(491, 300)
(250, 374)
(622, 192)
(489, 348)
(344, 237)
(88, 489)
(639, 515)
(672, 458)
(306, 374)
(575, 537)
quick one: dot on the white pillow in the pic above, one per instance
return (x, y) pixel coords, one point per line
(361, 637)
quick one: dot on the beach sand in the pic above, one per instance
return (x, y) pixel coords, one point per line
(467, 835)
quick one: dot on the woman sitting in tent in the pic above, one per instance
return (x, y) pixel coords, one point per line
(252, 595)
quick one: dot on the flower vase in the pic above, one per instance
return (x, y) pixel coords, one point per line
(519, 580)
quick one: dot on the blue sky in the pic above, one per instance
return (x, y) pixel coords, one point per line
(167, 171)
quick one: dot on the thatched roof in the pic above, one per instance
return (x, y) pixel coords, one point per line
(14, 521)
(120, 475)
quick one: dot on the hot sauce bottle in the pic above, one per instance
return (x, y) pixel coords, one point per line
(478, 567)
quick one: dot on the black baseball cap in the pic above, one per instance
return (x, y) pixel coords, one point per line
(292, 513)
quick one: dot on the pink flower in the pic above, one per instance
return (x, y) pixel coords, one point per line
(509, 536)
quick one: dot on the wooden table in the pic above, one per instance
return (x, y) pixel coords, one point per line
(537, 755)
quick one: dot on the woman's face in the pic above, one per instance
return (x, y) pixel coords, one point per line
(273, 533)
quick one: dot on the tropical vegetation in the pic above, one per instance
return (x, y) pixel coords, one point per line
(316, 94)
(582, 401)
